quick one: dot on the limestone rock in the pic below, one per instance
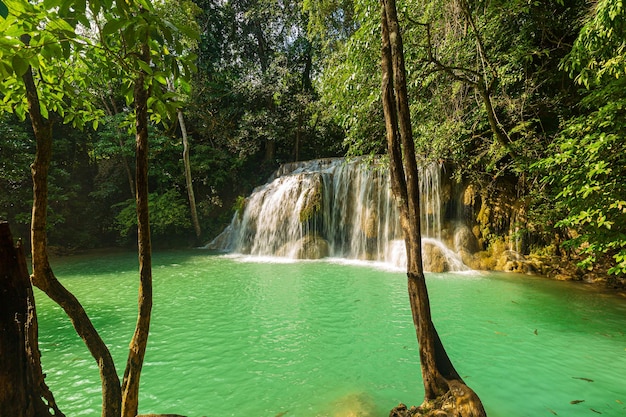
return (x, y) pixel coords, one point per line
(433, 258)
(464, 240)
(311, 247)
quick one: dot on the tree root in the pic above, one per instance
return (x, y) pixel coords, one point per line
(459, 401)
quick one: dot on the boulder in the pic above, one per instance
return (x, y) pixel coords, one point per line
(464, 240)
(311, 247)
(433, 258)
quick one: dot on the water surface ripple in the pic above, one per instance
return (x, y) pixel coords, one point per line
(234, 337)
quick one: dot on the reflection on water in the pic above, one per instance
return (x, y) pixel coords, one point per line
(235, 338)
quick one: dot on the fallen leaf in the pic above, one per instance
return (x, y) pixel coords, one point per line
(583, 379)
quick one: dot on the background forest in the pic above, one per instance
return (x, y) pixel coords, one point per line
(524, 99)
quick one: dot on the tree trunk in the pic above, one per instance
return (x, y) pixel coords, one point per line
(188, 179)
(139, 342)
(23, 391)
(270, 151)
(298, 139)
(438, 374)
(43, 277)
(129, 172)
(497, 129)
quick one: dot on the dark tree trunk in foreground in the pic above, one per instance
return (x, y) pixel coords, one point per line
(43, 277)
(443, 387)
(23, 391)
(139, 342)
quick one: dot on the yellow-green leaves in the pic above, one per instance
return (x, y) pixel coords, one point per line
(599, 50)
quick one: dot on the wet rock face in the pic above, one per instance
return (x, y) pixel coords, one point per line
(433, 258)
(464, 240)
(309, 247)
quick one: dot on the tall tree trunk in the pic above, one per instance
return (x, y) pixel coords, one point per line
(298, 139)
(129, 172)
(262, 49)
(139, 342)
(496, 128)
(438, 373)
(111, 111)
(23, 391)
(42, 276)
(270, 151)
(188, 179)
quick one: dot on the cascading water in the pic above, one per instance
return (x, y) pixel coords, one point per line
(337, 208)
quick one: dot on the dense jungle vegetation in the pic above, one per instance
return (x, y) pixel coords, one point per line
(528, 93)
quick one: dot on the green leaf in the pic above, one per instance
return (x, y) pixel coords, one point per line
(144, 66)
(62, 26)
(4, 11)
(43, 109)
(20, 65)
(112, 26)
(160, 78)
(20, 111)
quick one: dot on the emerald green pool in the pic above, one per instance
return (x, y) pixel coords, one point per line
(242, 337)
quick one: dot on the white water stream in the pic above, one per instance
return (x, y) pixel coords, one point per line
(339, 209)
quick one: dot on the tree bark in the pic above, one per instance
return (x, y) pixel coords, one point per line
(129, 172)
(438, 373)
(496, 128)
(139, 342)
(42, 276)
(23, 391)
(188, 179)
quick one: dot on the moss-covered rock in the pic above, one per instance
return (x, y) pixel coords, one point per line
(312, 200)
(434, 259)
(310, 247)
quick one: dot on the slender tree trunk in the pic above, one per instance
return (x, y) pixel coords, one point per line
(262, 49)
(42, 276)
(438, 373)
(499, 132)
(270, 151)
(23, 391)
(129, 172)
(188, 179)
(298, 139)
(139, 342)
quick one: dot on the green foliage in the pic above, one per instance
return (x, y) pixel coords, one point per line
(41, 37)
(523, 43)
(85, 58)
(253, 101)
(589, 163)
(350, 84)
(587, 171)
(168, 215)
(16, 151)
(598, 53)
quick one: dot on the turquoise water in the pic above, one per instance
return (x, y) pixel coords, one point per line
(235, 337)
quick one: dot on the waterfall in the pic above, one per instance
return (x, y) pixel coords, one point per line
(337, 208)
